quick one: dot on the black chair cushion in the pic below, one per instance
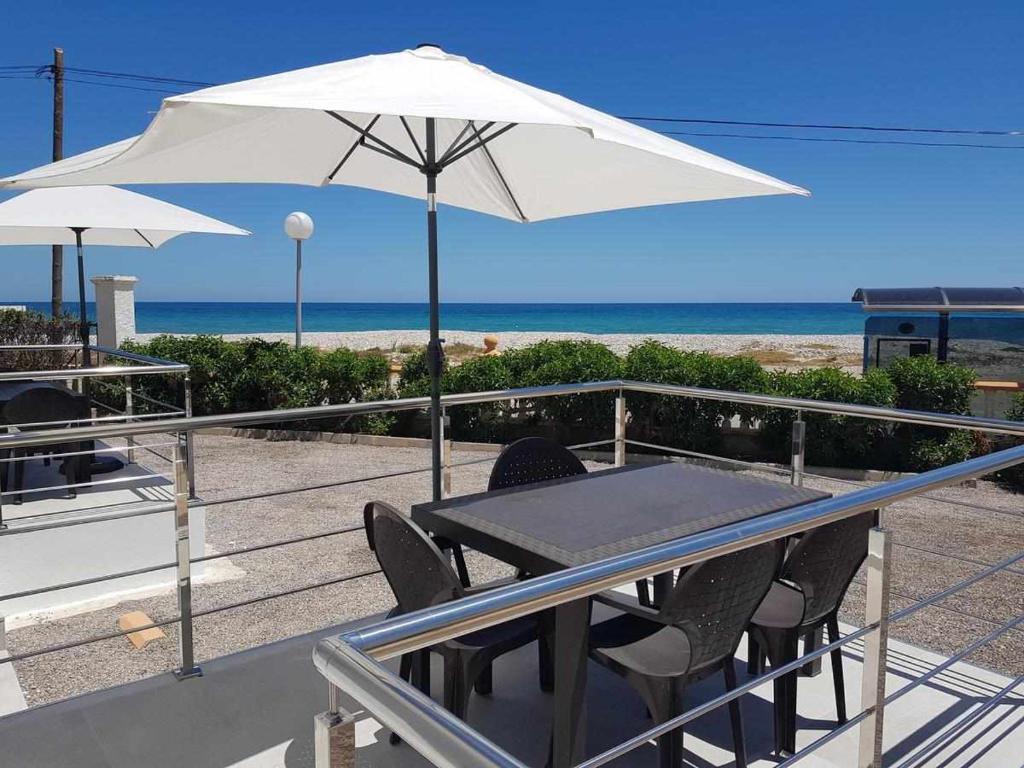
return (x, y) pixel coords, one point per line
(637, 645)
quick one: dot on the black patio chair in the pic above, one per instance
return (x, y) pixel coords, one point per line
(813, 581)
(694, 634)
(421, 577)
(44, 408)
(535, 460)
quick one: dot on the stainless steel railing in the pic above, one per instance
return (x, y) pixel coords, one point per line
(119, 381)
(358, 654)
(348, 661)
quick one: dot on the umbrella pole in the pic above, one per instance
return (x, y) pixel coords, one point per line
(83, 316)
(435, 355)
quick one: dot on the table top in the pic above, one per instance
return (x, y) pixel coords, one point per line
(562, 523)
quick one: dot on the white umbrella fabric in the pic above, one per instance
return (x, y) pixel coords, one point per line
(398, 122)
(98, 215)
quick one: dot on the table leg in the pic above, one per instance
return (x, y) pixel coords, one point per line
(569, 731)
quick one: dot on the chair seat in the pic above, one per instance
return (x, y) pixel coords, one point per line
(783, 608)
(636, 644)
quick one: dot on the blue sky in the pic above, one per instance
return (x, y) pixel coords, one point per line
(880, 215)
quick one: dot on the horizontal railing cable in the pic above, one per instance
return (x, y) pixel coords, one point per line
(158, 508)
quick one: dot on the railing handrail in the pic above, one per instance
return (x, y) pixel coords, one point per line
(154, 365)
(248, 418)
(347, 660)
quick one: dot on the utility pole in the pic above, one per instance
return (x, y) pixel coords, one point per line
(57, 277)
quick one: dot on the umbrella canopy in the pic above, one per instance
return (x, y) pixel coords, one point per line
(397, 123)
(98, 215)
(108, 216)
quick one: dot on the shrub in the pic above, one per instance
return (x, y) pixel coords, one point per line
(689, 423)
(924, 384)
(571, 418)
(19, 327)
(256, 375)
(830, 440)
(1014, 476)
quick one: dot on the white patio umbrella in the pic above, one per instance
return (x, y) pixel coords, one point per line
(397, 122)
(98, 215)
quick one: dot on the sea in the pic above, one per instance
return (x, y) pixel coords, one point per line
(706, 318)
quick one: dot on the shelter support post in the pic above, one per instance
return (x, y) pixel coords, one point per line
(435, 353)
(620, 429)
(129, 411)
(334, 735)
(188, 666)
(83, 315)
(797, 450)
(446, 452)
(190, 455)
(872, 697)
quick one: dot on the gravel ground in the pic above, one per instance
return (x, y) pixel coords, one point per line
(228, 466)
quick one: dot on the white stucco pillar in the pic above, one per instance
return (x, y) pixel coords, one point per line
(115, 308)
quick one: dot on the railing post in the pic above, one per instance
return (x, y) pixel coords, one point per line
(797, 447)
(189, 445)
(872, 696)
(334, 734)
(129, 411)
(184, 566)
(446, 453)
(620, 429)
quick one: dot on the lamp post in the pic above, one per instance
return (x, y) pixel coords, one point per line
(298, 226)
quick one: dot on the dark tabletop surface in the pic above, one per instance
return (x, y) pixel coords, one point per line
(589, 517)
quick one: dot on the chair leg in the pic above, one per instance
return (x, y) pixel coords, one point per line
(485, 681)
(545, 657)
(837, 670)
(420, 670)
(735, 716)
(662, 697)
(643, 593)
(781, 647)
(755, 656)
(457, 688)
(460, 565)
(404, 672)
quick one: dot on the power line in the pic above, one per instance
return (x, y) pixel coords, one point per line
(20, 72)
(844, 141)
(130, 76)
(824, 126)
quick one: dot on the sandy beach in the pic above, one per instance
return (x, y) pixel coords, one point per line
(776, 350)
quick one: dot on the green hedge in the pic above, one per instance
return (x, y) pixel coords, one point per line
(257, 375)
(19, 327)
(1014, 476)
(698, 425)
(575, 418)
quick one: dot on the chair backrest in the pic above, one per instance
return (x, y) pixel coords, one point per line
(419, 575)
(713, 601)
(533, 460)
(825, 560)
(43, 404)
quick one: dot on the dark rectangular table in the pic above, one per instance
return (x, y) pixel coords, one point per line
(549, 526)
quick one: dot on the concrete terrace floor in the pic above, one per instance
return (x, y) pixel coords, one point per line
(228, 466)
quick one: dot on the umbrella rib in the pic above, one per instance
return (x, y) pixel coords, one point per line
(481, 143)
(412, 138)
(399, 157)
(455, 141)
(365, 134)
(148, 242)
(501, 176)
(453, 150)
(347, 155)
